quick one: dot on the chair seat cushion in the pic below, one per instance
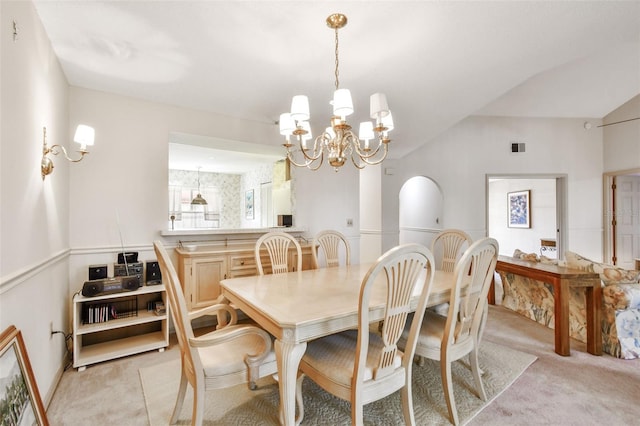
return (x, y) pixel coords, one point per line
(430, 331)
(230, 360)
(334, 356)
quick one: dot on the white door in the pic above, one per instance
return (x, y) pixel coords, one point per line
(627, 210)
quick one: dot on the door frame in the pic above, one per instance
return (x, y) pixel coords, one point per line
(608, 194)
(561, 202)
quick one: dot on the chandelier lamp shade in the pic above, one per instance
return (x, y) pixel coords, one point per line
(338, 142)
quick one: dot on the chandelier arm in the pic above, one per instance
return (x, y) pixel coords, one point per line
(308, 164)
(370, 162)
(364, 154)
(295, 163)
(319, 162)
(62, 149)
(316, 152)
(353, 160)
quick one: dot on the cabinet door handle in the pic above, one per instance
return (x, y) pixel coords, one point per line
(242, 262)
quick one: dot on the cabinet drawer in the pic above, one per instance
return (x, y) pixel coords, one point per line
(242, 266)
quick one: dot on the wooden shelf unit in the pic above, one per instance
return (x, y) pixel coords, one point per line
(115, 338)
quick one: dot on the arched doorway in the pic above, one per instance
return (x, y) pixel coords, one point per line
(421, 206)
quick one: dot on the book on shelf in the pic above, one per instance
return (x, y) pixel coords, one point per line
(160, 309)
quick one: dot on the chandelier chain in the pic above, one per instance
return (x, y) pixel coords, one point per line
(337, 62)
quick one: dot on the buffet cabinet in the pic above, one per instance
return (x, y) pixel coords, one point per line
(202, 268)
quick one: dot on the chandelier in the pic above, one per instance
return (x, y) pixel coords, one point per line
(338, 142)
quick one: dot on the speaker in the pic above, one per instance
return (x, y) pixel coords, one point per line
(130, 283)
(285, 220)
(97, 272)
(153, 275)
(92, 288)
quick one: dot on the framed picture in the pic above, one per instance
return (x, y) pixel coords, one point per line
(519, 205)
(20, 401)
(248, 204)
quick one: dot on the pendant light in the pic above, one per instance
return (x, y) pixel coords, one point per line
(198, 200)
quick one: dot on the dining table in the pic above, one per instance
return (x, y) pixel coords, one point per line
(297, 307)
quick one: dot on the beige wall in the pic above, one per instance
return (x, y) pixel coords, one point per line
(34, 225)
(461, 157)
(622, 141)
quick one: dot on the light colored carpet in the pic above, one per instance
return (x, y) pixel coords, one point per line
(239, 405)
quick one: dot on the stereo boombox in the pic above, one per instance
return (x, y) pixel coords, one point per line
(128, 269)
(126, 277)
(104, 286)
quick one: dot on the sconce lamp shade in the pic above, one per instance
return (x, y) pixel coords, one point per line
(84, 136)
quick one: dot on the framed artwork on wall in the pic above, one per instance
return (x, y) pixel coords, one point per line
(248, 205)
(519, 209)
(20, 401)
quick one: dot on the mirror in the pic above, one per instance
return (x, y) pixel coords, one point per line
(244, 185)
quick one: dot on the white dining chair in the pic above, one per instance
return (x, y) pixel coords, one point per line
(447, 339)
(362, 366)
(326, 245)
(229, 356)
(277, 245)
(447, 247)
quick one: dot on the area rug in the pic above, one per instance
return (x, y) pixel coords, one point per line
(240, 406)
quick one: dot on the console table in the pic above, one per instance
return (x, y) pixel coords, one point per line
(562, 278)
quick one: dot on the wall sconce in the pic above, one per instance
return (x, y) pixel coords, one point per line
(84, 136)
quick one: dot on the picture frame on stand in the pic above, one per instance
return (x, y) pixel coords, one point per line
(20, 401)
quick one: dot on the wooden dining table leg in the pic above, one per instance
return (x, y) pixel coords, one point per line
(288, 356)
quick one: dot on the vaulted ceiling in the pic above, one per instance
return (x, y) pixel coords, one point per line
(437, 61)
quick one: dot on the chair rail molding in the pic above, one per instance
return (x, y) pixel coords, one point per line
(16, 278)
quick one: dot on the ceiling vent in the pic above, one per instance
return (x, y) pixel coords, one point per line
(517, 147)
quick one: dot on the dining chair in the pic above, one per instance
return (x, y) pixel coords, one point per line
(277, 245)
(232, 354)
(447, 339)
(447, 247)
(329, 243)
(362, 366)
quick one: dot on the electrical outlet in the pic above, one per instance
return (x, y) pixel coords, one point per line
(50, 330)
(349, 222)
